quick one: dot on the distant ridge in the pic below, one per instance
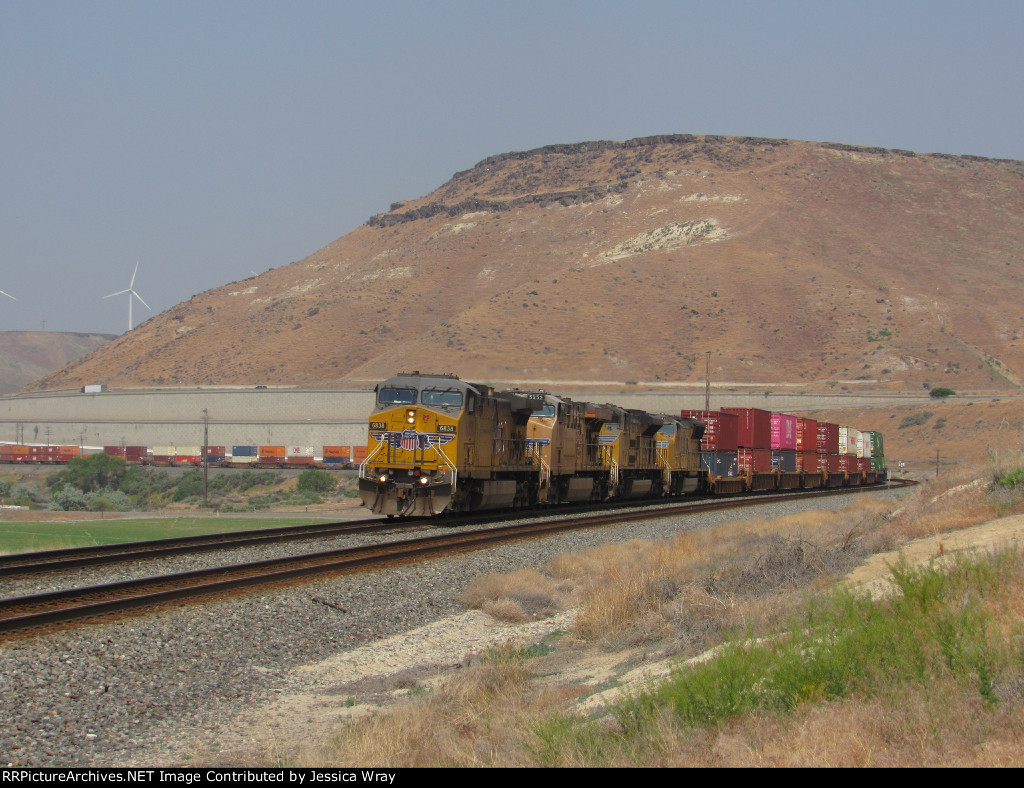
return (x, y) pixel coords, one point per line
(28, 355)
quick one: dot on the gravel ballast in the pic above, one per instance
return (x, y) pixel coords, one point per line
(130, 692)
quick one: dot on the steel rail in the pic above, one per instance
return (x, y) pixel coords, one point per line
(37, 610)
(94, 555)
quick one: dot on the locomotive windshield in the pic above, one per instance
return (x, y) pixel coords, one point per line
(396, 396)
(446, 397)
(546, 412)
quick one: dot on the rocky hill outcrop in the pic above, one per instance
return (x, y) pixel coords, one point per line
(819, 264)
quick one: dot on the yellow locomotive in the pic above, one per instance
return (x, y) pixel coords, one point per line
(437, 443)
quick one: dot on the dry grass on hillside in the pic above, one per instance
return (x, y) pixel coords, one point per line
(687, 595)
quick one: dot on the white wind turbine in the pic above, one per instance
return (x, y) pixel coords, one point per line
(131, 293)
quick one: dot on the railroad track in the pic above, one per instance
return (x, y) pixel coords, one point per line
(80, 557)
(19, 614)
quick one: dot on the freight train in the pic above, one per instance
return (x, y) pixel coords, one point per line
(438, 444)
(325, 457)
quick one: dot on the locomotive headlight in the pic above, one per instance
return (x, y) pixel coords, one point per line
(383, 478)
(410, 416)
(424, 480)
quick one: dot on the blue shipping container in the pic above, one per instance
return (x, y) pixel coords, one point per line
(244, 451)
(719, 463)
(784, 460)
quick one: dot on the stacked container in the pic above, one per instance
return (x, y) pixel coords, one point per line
(754, 436)
(271, 455)
(300, 455)
(719, 442)
(189, 455)
(244, 455)
(784, 440)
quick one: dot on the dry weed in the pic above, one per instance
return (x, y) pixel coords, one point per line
(517, 597)
(472, 718)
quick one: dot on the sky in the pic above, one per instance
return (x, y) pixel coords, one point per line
(209, 140)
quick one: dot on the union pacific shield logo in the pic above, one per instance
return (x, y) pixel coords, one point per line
(411, 440)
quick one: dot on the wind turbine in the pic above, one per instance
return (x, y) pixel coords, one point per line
(131, 292)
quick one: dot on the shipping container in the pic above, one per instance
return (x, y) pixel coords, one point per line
(783, 432)
(336, 453)
(807, 461)
(114, 451)
(755, 427)
(164, 451)
(828, 438)
(719, 463)
(829, 463)
(271, 451)
(806, 435)
(784, 460)
(877, 463)
(359, 453)
(298, 459)
(720, 429)
(244, 451)
(301, 451)
(215, 451)
(754, 460)
(864, 445)
(136, 454)
(877, 443)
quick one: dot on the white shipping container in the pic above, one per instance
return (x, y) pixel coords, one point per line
(853, 436)
(301, 451)
(865, 445)
(165, 451)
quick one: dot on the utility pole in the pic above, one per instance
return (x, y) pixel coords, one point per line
(206, 453)
(936, 463)
(707, 381)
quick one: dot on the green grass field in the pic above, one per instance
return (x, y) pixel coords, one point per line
(30, 537)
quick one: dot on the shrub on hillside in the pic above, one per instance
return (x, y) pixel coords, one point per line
(316, 481)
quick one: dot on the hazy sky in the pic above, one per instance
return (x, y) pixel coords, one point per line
(207, 140)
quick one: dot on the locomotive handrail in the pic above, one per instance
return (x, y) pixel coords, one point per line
(369, 457)
(451, 468)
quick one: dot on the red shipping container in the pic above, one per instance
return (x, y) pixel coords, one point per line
(807, 461)
(215, 451)
(848, 463)
(756, 460)
(720, 429)
(136, 453)
(783, 432)
(755, 427)
(828, 438)
(806, 435)
(864, 463)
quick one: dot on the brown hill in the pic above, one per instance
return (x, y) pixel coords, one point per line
(27, 355)
(812, 263)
